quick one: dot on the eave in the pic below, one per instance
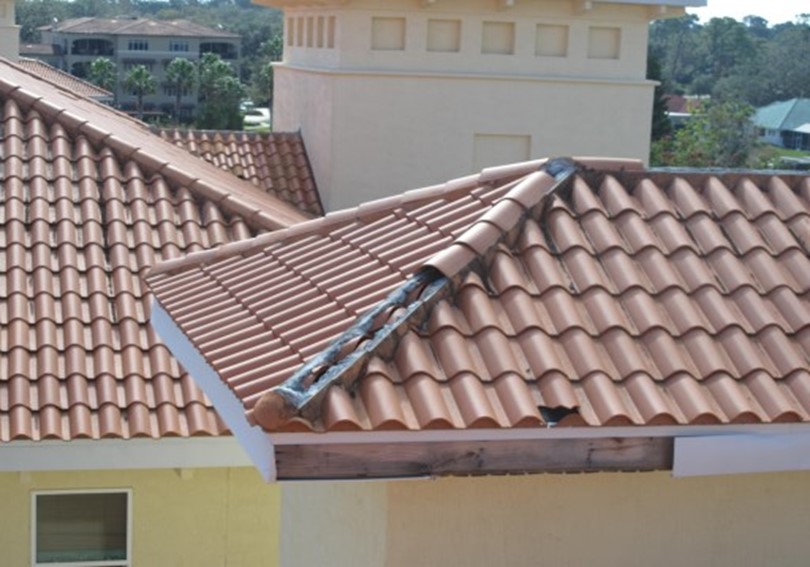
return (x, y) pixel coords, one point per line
(684, 450)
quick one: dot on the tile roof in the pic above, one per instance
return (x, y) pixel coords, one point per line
(137, 26)
(89, 200)
(63, 79)
(575, 297)
(275, 161)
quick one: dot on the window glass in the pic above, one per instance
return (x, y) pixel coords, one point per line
(82, 527)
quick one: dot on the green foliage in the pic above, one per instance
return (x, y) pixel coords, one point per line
(103, 73)
(140, 82)
(718, 135)
(220, 95)
(747, 61)
(661, 125)
(181, 75)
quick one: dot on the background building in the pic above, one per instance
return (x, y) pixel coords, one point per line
(138, 41)
(393, 96)
(9, 31)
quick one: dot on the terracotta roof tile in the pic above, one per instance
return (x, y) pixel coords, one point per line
(607, 298)
(136, 26)
(63, 79)
(274, 162)
(81, 220)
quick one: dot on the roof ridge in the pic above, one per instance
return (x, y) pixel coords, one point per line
(330, 220)
(132, 139)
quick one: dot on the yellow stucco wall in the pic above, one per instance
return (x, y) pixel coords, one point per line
(601, 519)
(197, 517)
(618, 519)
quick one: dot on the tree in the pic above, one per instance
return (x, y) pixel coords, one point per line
(220, 95)
(717, 135)
(140, 82)
(661, 125)
(103, 73)
(181, 75)
(261, 73)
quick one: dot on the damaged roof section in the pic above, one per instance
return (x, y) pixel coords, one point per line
(274, 303)
(608, 297)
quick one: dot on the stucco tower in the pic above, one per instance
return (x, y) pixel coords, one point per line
(398, 94)
(9, 31)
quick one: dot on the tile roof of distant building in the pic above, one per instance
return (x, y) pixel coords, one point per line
(91, 199)
(275, 161)
(63, 79)
(137, 26)
(517, 298)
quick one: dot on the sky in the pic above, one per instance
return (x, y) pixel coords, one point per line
(775, 11)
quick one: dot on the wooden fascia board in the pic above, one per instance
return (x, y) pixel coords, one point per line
(458, 458)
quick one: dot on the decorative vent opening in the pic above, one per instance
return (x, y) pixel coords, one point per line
(444, 36)
(498, 38)
(388, 34)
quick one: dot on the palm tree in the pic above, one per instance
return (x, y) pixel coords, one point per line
(181, 75)
(103, 73)
(140, 82)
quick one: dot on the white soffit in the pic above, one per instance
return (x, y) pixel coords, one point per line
(256, 443)
(735, 454)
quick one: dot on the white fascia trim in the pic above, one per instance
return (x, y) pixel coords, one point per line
(527, 434)
(256, 442)
(737, 454)
(119, 454)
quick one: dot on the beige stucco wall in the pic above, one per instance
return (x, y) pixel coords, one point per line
(370, 136)
(390, 97)
(196, 517)
(9, 32)
(609, 519)
(328, 524)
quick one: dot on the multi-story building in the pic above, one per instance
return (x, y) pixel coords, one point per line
(398, 94)
(131, 41)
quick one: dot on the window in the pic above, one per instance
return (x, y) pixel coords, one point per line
(138, 45)
(176, 45)
(88, 528)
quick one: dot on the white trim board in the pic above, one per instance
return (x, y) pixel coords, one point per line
(85, 454)
(449, 435)
(256, 442)
(737, 454)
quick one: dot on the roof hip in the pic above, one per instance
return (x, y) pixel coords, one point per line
(345, 359)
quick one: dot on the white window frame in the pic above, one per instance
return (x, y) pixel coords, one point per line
(127, 562)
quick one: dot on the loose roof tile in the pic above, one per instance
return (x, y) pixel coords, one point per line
(622, 297)
(84, 213)
(275, 162)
